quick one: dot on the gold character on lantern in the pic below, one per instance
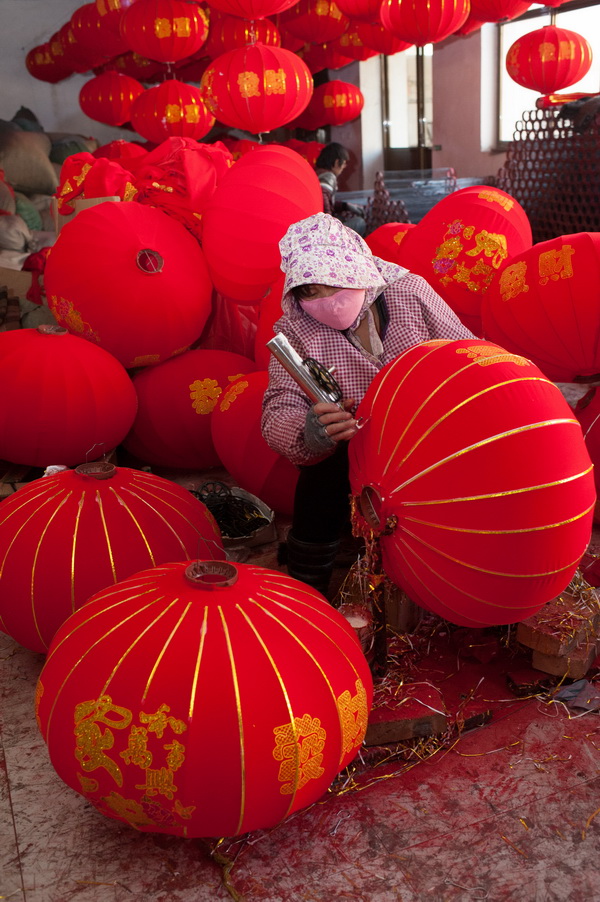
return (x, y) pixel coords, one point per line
(158, 782)
(231, 394)
(91, 742)
(556, 264)
(159, 721)
(483, 355)
(137, 751)
(204, 394)
(127, 809)
(341, 100)
(354, 714)
(491, 245)
(275, 81)
(182, 26)
(192, 112)
(162, 28)
(566, 50)
(322, 7)
(495, 197)
(299, 746)
(173, 112)
(248, 83)
(175, 754)
(512, 281)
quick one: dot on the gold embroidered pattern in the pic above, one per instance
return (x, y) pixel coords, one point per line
(130, 192)
(556, 264)
(137, 751)
(158, 782)
(88, 785)
(484, 355)
(233, 392)
(72, 319)
(184, 813)
(299, 746)
(127, 809)
(159, 721)
(495, 197)
(179, 26)
(192, 112)
(479, 277)
(91, 742)
(204, 394)
(354, 717)
(490, 245)
(144, 360)
(173, 112)
(78, 179)
(547, 52)
(39, 691)
(275, 81)
(248, 83)
(512, 281)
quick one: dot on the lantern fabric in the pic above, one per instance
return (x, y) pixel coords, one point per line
(230, 32)
(385, 240)
(549, 59)
(251, 9)
(238, 440)
(172, 109)
(69, 535)
(111, 12)
(380, 39)
(423, 23)
(257, 88)
(45, 65)
(109, 97)
(473, 471)
(164, 30)
(315, 21)
(462, 243)
(360, 10)
(84, 175)
(352, 45)
(318, 57)
(587, 412)
(203, 699)
(131, 279)
(123, 152)
(64, 399)
(249, 213)
(137, 66)
(78, 58)
(269, 312)
(498, 10)
(92, 35)
(175, 402)
(336, 102)
(544, 305)
(310, 150)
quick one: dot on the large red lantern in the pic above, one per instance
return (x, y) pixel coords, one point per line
(165, 30)
(111, 12)
(65, 537)
(230, 32)
(315, 21)
(249, 213)
(544, 305)
(423, 23)
(142, 680)
(336, 102)
(175, 403)
(251, 9)
(172, 109)
(257, 88)
(235, 426)
(587, 412)
(463, 242)
(109, 97)
(131, 279)
(498, 10)
(269, 312)
(44, 65)
(380, 39)
(360, 10)
(473, 472)
(549, 59)
(63, 399)
(385, 240)
(352, 45)
(92, 35)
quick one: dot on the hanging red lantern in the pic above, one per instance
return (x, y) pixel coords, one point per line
(423, 23)
(172, 109)
(92, 35)
(78, 58)
(137, 66)
(139, 682)
(549, 59)
(257, 88)
(153, 299)
(252, 208)
(175, 401)
(472, 24)
(235, 430)
(231, 32)
(69, 535)
(309, 150)
(544, 305)
(336, 102)
(472, 470)
(315, 21)
(318, 57)
(380, 39)
(43, 64)
(111, 12)
(360, 10)
(251, 9)
(350, 44)
(462, 243)
(109, 97)
(498, 10)
(385, 240)
(85, 409)
(165, 30)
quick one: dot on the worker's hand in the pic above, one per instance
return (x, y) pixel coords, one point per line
(339, 425)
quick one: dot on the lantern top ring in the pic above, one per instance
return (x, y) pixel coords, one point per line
(210, 575)
(52, 329)
(99, 469)
(149, 261)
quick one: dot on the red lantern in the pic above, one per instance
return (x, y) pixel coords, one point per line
(172, 109)
(471, 25)
(235, 429)
(165, 30)
(309, 150)
(587, 412)
(251, 9)
(257, 88)
(318, 57)
(123, 152)
(111, 12)
(175, 401)
(473, 471)
(498, 10)
(386, 239)
(67, 536)
(380, 39)
(92, 35)
(315, 21)
(109, 97)
(351, 45)
(360, 10)
(78, 58)
(463, 242)
(140, 681)
(43, 64)
(63, 399)
(423, 23)
(336, 102)
(544, 305)
(137, 66)
(130, 278)
(230, 32)
(549, 59)
(249, 213)
(269, 312)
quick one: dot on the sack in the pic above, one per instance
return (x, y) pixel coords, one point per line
(15, 234)
(24, 156)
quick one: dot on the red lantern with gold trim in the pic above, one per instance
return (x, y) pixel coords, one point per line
(111, 12)
(230, 32)
(498, 10)
(360, 10)
(109, 97)
(380, 39)
(131, 279)
(43, 64)
(165, 30)
(587, 411)
(385, 240)
(85, 409)
(172, 109)
(92, 35)
(257, 88)
(544, 305)
(252, 207)
(423, 23)
(175, 403)
(473, 472)
(137, 66)
(351, 44)
(318, 57)
(235, 429)
(315, 21)
(269, 312)
(336, 102)
(69, 535)
(251, 9)
(462, 243)
(549, 59)
(138, 680)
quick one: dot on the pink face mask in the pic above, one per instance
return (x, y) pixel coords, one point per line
(339, 310)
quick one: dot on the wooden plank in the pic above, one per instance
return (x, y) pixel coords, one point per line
(416, 710)
(561, 625)
(574, 665)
